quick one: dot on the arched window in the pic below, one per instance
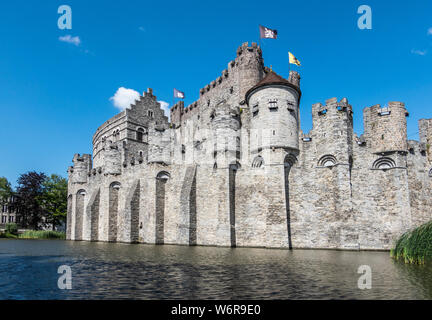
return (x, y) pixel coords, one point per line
(140, 134)
(163, 175)
(115, 185)
(384, 163)
(327, 160)
(258, 162)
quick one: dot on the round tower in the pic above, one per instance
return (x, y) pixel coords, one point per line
(274, 109)
(250, 66)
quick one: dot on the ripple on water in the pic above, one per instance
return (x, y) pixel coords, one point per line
(28, 270)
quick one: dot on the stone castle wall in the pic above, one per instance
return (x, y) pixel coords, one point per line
(230, 172)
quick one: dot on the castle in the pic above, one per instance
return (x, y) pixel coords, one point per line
(235, 169)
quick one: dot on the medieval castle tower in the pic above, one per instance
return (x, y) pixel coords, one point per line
(235, 169)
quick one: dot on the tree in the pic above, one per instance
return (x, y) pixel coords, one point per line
(30, 198)
(5, 190)
(54, 199)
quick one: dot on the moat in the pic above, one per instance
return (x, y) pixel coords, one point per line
(28, 270)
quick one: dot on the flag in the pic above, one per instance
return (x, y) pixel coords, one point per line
(293, 60)
(267, 33)
(178, 94)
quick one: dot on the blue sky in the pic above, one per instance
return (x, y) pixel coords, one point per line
(54, 94)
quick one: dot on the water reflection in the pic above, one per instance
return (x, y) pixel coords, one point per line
(418, 275)
(28, 270)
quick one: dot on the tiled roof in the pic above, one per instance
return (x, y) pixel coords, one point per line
(270, 78)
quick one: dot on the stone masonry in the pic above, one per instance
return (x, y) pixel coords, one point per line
(235, 169)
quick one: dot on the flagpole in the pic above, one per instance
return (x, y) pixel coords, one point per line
(288, 66)
(259, 36)
(173, 99)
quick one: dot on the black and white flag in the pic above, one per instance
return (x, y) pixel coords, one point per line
(267, 32)
(178, 94)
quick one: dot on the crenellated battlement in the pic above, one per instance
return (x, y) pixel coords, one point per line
(332, 133)
(248, 64)
(332, 106)
(82, 164)
(225, 76)
(245, 48)
(386, 127)
(234, 168)
(191, 110)
(425, 134)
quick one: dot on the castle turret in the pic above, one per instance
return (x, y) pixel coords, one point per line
(386, 128)
(112, 158)
(176, 113)
(274, 108)
(294, 78)
(225, 122)
(251, 67)
(82, 165)
(333, 131)
(425, 134)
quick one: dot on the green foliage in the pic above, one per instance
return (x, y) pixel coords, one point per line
(38, 234)
(54, 199)
(11, 228)
(5, 190)
(42, 199)
(8, 235)
(29, 194)
(415, 246)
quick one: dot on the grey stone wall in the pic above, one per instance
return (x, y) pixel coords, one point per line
(79, 214)
(385, 128)
(113, 211)
(218, 175)
(69, 217)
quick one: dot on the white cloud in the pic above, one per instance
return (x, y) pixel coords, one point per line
(429, 32)
(124, 97)
(419, 52)
(165, 108)
(69, 39)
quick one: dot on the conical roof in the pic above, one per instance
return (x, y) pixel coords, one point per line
(270, 78)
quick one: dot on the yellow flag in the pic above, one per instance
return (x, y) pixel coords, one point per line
(293, 59)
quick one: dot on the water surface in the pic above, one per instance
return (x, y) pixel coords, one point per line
(28, 270)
